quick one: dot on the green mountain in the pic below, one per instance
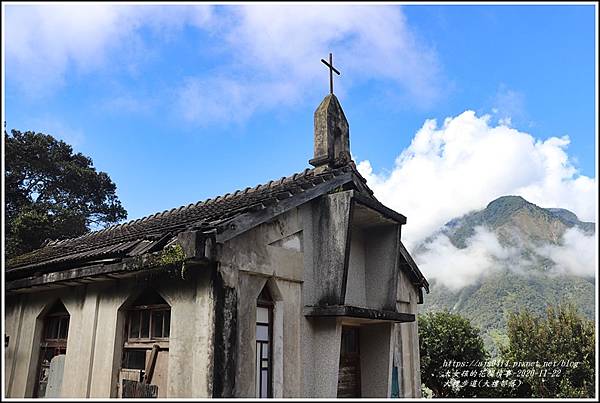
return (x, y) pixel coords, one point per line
(528, 279)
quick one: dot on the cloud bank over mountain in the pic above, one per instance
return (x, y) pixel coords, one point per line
(484, 255)
(576, 255)
(461, 165)
(455, 267)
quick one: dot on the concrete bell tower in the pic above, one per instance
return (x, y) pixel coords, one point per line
(332, 135)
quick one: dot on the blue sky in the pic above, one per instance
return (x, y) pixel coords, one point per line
(182, 103)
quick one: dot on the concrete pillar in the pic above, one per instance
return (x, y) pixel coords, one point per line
(322, 368)
(83, 308)
(108, 346)
(190, 339)
(13, 322)
(376, 354)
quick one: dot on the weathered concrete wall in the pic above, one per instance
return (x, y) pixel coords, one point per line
(309, 360)
(332, 138)
(372, 267)
(94, 345)
(376, 354)
(381, 266)
(259, 251)
(321, 357)
(416, 359)
(309, 293)
(25, 332)
(323, 277)
(260, 257)
(355, 286)
(406, 295)
(108, 340)
(249, 289)
(12, 327)
(371, 282)
(408, 353)
(330, 232)
(407, 341)
(291, 293)
(82, 304)
(190, 341)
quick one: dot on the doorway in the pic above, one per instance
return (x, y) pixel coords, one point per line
(349, 373)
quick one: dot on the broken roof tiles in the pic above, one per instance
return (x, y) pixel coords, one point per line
(122, 239)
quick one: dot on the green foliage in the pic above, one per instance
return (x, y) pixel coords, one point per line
(172, 254)
(52, 192)
(499, 339)
(527, 284)
(561, 337)
(525, 226)
(443, 338)
(487, 303)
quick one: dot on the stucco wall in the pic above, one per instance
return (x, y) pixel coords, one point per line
(371, 281)
(321, 356)
(309, 356)
(94, 345)
(376, 349)
(190, 342)
(381, 262)
(407, 341)
(260, 258)
(355, 285)
(21, 354)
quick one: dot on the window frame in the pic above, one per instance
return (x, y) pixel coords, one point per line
(58, 344)
(144, 345)
(165, 309)
(265, 301)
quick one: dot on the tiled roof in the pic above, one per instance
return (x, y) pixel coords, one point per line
(151, 233)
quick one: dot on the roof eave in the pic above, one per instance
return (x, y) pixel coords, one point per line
(248, 220)
(150, 262)
(418, 277)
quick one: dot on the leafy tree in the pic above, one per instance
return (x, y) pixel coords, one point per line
(52, 192)
(561, 338)
(445, 338)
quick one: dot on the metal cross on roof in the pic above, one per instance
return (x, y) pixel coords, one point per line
(331, 70)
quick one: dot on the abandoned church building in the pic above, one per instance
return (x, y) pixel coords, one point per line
(300, 287)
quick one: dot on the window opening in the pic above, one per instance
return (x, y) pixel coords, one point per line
(54, 342)
(264, 342)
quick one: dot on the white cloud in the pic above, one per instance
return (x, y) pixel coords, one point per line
(461, 166)
(506, 121)
(286, 42)
(575, 255)
(222, 100)
(509, 105)
(42, 41)
(48, 43)
(483, 255)
(457, 268)
(275, 50)
(269, 54)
